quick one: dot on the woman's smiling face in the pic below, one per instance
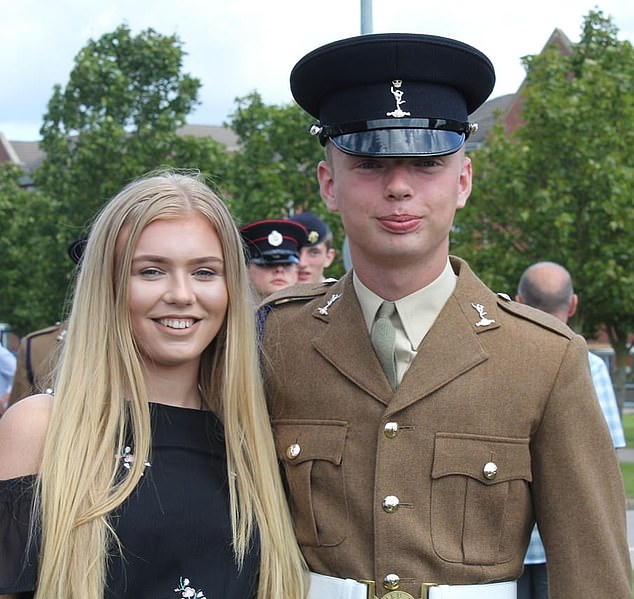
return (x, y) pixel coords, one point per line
(177, 290)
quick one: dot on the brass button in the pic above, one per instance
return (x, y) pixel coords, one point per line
(390, 503)
(391, 582)
(490, 470)
(390, 429)
(292, 451)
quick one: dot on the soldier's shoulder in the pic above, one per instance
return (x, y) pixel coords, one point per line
(533, 316)
(298, 294)
(54, 330)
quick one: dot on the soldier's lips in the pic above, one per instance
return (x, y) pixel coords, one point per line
(403, 223)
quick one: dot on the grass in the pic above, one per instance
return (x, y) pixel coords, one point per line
(628, 429)
(628, 468)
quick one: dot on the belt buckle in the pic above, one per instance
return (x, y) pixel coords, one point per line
(371, 585)
(371, 592)
(425, 589)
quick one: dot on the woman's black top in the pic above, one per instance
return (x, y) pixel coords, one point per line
(174, 528)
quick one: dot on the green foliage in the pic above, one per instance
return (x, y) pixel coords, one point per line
(35, 267)
(627, 471)
(560, 187)
(274, 173)
(628, 429)
(116, 119)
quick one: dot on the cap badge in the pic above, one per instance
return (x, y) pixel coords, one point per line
(333, 298)
(275, 238)
(313, 237)
(484, 321)
(397, 92)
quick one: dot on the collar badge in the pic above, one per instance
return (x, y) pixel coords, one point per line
(484, 321)
(275, 238)
(333, 298)
(397, 92)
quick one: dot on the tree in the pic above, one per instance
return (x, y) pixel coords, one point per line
(274, 173)
(560, 187)
(117, 118)
(30, 251)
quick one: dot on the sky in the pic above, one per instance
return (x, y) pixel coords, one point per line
(236, 47)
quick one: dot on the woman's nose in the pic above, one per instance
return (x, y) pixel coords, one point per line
(180, 290)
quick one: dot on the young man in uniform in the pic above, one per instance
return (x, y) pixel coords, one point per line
(417, 467)
(317, 253)
(273, 247)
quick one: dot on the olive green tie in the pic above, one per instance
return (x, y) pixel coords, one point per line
(383, 337)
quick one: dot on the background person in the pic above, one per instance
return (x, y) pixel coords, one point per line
(39, 350)
(273, 247)
(317, 254)
(548, 286)
(7, 372)
(428, 464)
(156, 471)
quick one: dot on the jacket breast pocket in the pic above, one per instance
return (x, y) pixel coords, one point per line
(312, 454)
(480, 499)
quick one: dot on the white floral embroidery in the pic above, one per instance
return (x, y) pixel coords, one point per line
(187, 591)
(127, 458)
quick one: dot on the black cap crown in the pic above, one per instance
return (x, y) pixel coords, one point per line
(273, 241)
(393, 94)
(317, 229)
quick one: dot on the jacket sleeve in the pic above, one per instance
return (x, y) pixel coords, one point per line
(578, 489)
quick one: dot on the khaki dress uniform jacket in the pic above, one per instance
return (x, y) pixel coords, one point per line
(36, 358)
(494, 424)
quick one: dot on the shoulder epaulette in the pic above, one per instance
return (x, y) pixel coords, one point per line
(539, 317)
(301, 292)
(45, 331)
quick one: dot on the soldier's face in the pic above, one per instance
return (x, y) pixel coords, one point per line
(313, 260)
(267, 279)
(396, 211)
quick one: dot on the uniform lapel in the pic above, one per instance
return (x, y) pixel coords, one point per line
(452, 346)
(345, 342)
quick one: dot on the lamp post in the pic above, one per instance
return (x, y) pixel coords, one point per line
(366, 16)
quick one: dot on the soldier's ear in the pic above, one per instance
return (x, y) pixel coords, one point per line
(326, 179)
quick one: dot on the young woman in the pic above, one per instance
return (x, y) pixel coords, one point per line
(151, 472)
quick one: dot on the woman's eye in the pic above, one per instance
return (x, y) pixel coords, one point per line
(205, 273)
(150, 272)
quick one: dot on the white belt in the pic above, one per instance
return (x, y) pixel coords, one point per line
(329, 587)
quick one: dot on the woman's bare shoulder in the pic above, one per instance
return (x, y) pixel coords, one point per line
(22, 430)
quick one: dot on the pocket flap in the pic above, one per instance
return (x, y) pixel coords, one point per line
(298, 441)
(467, 455)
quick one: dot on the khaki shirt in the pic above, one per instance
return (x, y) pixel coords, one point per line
(414, 315)
(494, 425)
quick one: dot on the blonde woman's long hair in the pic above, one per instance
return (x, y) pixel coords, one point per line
(101, 397)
